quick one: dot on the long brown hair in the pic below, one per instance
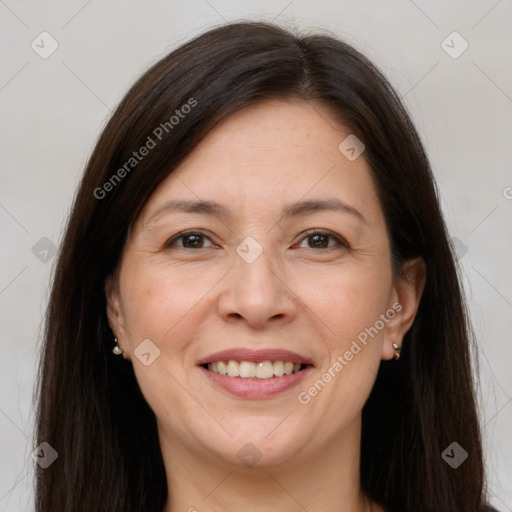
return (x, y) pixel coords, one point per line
(91, 410)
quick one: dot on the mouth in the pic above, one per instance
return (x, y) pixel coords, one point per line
(255, 374)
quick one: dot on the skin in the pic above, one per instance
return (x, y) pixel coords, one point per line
(311, 296)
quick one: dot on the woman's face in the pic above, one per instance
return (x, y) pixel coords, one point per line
(289, 252)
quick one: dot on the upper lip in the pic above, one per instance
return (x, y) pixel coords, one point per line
(247, 354)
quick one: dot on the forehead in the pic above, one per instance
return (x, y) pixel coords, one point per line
(271, 131)
(273, 152)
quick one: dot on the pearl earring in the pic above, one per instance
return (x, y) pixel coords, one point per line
(117, 350)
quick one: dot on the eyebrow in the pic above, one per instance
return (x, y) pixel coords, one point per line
(293, 210)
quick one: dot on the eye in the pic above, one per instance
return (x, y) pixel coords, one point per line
(319, 239)
(191, 240)
(195, 240)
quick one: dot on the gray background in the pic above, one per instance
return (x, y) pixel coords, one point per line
(53, 109)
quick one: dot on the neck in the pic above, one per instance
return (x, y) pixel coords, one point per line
(327, 479)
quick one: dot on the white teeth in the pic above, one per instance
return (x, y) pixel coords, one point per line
(250, 370)
(223, 368)
(265, 370)
(233, 369)
(279, 368)
(247, 370)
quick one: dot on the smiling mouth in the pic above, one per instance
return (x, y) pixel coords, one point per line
(254, 370)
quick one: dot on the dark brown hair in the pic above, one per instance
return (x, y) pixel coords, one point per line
(91, 410)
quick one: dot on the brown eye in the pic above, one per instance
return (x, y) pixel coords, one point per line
(320, 240)
(190, 240)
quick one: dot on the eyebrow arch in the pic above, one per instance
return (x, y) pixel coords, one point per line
(293, 210)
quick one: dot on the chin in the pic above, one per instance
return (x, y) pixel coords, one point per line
(263, 447)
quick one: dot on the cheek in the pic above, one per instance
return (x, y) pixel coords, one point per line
(350, 309)
(348, 300)
(156, 299)
(158, 305)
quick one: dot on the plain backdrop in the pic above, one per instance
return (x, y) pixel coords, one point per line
(52, 110)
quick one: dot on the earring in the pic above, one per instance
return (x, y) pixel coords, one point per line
(117, 350)
(397, 351)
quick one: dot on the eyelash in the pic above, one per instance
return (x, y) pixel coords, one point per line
(341, 242)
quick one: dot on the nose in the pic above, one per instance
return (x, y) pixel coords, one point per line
(258, 294)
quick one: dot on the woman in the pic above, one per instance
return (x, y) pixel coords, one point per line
(257, 238)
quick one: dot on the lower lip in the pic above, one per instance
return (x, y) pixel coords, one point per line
(256, 388)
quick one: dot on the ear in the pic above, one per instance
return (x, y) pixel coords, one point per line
(406, 296)
(114, 312)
